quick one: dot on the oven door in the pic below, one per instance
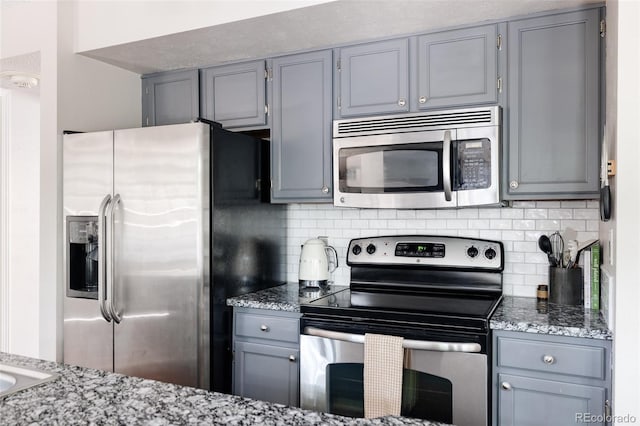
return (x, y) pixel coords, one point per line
(398, 170)
(443, 383)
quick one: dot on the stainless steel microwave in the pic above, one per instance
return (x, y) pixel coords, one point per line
(440, 159)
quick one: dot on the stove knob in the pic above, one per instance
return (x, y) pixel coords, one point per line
(472, 251)
(356, 249)
(371, 249)
(490, 253)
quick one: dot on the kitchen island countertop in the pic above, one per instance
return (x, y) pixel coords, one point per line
(530, 316)
(84, 396)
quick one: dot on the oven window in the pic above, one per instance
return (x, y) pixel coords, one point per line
(397, 168)
(424, 396)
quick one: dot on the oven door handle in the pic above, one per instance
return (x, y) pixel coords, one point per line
(421, 345)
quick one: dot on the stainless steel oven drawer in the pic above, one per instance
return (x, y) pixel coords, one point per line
(556, 358)
(267, 327)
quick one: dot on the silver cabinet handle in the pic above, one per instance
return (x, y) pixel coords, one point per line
(102, 257)
(402, 102)
(292, 358)
(423, 345)
(422, 99)
(446, 165)
(264, 328)
(548, 359)
(110, 255)
(514, 184)
(506, 385)
(325, 189)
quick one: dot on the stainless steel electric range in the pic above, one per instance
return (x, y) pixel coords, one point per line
(439, 294)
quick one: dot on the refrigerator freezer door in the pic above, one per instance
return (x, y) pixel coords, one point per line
(87, 179)
(161, 245)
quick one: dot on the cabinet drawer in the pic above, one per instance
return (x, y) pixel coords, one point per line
(267, 327)
(557, 358)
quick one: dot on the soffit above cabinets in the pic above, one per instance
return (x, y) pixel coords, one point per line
(319, 26)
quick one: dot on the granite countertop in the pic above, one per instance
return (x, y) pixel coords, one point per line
(528, 315)
(286, 297)
(86, 396)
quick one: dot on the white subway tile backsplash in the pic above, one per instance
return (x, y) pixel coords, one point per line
(518, 228)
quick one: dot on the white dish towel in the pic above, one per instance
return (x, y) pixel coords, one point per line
(383, 358)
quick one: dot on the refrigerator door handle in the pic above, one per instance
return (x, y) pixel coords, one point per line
(110, 267)
(101, 257)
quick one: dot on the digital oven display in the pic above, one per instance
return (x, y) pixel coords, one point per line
(420, 250)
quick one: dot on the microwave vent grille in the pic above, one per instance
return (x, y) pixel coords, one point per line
(417, 122)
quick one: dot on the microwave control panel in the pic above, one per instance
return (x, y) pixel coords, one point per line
(473, 165)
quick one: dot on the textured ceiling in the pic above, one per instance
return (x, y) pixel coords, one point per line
(312, 27)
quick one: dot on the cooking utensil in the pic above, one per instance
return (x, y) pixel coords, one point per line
(582, 247)
(545, 245)
(557, 247)
(572, 246)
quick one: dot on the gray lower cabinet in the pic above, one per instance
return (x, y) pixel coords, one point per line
(456, 68)
(301, 128)
(550, 380)
(554, 106)
(234, 95)
(373, 78)
(170, 98)
(266, 350)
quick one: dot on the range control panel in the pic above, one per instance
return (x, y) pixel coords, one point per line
(427, 250)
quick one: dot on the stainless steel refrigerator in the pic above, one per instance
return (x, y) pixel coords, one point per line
(161, 225)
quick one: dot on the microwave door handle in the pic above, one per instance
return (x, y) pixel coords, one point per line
(421, 345)
(446, 165)
(102, 242)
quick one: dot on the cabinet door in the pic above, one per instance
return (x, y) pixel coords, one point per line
(457, 68)
(524, 401)
(234, 95)
(170, 98)
(267, 373)
(301, 128)
(374, 78)
(553, 146)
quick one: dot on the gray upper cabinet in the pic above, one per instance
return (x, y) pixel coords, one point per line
(374, 78)
(456, 68)
(170, 98)
(554, 106)
(301, 127)
(234, 95)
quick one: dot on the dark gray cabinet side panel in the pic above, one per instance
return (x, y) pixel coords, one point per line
(301, 128)
(374, 78)
(267, 373)
(170, 98)
(525, 401)
(457, 67)
(234, 95)
(554, 119)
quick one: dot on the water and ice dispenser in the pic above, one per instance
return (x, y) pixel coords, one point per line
(82, 256)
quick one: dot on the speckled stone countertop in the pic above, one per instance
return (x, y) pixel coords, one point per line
(527, 315)
(286, 297)
(83, 396)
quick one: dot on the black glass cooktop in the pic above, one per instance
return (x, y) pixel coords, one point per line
(441, 309)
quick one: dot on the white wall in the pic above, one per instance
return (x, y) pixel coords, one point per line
(139, 20)
(23, 235)
(624, 19)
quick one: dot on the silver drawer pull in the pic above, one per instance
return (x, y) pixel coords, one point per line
(506, 385)
(264, 328)
(548, 359)
(292, 358)
(421, 345)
